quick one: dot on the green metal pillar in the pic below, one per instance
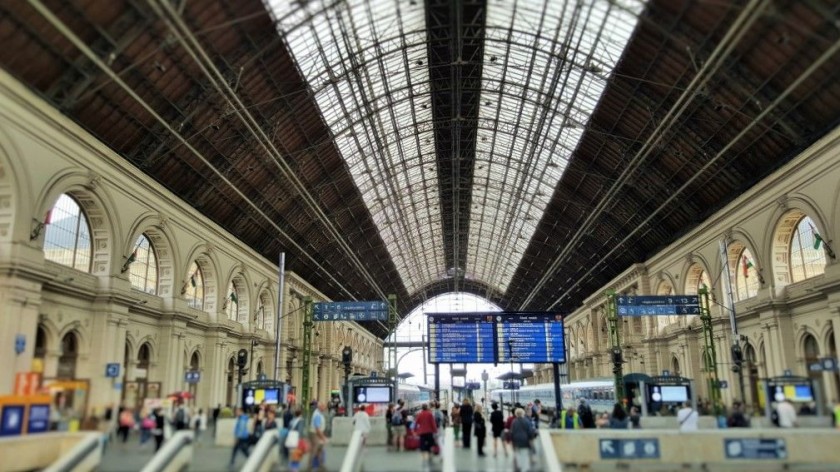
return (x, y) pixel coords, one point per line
(307, 353)
(709, 353)
(392, 330)
(615, 346)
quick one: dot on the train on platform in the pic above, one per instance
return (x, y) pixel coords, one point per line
(599, 393)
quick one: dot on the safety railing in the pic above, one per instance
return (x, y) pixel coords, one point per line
(266, 453)
(85, 455)
(175, 455)
(353, 459)
(447, 452)
(548, 455)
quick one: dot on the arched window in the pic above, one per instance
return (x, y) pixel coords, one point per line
(144, 268)
(746, 276)
(662, 321)
(67, 240)
(69, 354)
(675, 367)
(260, 313)
(232, 302)
(697, 278)
(195, 287)
(807, 257)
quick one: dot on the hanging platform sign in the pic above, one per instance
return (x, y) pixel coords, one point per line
(350, 311)
(653, 305)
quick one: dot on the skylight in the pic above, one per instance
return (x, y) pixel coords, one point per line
(545, 69)
(364, 62)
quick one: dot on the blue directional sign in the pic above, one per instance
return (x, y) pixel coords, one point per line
(510, 385)
(755, 448)
(11, 420)
(828, 363)
(20, 343)
(39, 419)
(629, 448)
(112, 370)
(192, 376)
(629, 305)
(350, 311)
(472, 386)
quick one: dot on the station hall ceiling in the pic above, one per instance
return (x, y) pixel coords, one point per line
(526, 151)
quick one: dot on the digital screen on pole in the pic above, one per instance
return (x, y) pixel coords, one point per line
(371, 394)
(491, 337)
(461, 338)
(674, 393)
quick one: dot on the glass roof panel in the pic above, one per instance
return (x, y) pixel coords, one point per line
(538, 103)
(360, 56)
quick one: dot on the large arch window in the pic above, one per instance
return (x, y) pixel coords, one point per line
(144, 268)
(806, 255)
(232, 302)
(195, 287)
(746, 275)
(67, 240)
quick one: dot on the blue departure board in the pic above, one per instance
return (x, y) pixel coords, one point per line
(531, 338)
(461, 338)
(492, 337)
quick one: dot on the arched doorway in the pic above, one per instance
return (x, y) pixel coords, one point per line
(835, 376)
(675, 367)
(40, 347)
(812, 355)
(193, 386)
(231, 383)
(69, 356)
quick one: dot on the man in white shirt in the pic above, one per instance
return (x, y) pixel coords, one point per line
(317, 437)
(361, 421)
(687, 418)
(787, 414)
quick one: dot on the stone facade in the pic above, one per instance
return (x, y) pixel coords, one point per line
(156, 337)
(785, 322)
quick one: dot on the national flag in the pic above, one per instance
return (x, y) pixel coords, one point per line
(817, 238)
(132, 257)
(192, 280)
(233, 298)
(746, 264)
(48, 217)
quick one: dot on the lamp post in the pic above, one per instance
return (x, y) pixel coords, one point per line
(485, 377)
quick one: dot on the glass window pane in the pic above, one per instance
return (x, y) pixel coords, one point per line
(67, 238)
(195, 287)
(144, 266)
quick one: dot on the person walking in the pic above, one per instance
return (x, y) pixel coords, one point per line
(587, 418)
(241, 436)
(361, 422)
(160, 423)
(737, 419)
(569, 419)
(426, 429)
(398, 425)
(521, 432)
(787, 414)
(126, 422)
(389, 415)
(467, 413)
(199, 423)
(497, 426)
(687, 417)
(619, 419)
(480, 429)
(318, 438)
(456, 421)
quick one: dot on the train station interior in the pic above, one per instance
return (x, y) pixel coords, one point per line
(218, 203)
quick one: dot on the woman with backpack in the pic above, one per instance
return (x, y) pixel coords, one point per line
(521, 432)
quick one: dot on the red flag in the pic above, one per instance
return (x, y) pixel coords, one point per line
(745, 266)
(48, 217)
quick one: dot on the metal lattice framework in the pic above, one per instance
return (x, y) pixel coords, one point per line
(527, 151)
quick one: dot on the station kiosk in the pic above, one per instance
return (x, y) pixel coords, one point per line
(664, 395)
(801, 391)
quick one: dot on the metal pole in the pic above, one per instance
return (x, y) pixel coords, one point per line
(281, 276)
(558, 397)
(392, 330)
(615, 343)
(709, 354)
(307, 353)
(423, 351)
(437, 383)
(736, 351)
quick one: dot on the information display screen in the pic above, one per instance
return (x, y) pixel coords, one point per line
(372, 394)
(530, 338)
(461, 338)
(678, 393)
(492, 337)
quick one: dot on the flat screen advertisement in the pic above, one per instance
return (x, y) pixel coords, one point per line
(794, 393)
(494, 337)
(668, 393)
(371, 394)
(255, 396)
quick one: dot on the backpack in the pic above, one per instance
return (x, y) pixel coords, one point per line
(587, 420)
(180, 417)
(396, 418)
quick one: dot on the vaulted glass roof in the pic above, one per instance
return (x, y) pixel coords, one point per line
(545, 66)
